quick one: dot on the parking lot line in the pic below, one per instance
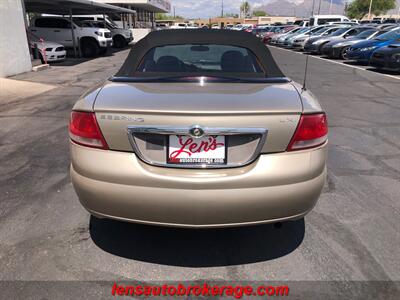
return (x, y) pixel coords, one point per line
(337, 62)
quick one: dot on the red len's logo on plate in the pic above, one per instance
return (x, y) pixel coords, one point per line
(192, 151)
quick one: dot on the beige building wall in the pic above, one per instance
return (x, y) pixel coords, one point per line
(275, 19)
(255, 21)
(219, 21)
(14, 52)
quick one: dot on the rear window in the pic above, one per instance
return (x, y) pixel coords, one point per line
(202, 59)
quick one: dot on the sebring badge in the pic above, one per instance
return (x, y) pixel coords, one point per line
(196, 131)
(121, 118)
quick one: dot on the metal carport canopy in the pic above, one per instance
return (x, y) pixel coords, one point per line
(78, 7)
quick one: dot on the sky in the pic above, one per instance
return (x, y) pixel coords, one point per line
(210, 8)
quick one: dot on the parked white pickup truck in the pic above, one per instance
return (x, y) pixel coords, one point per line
(92, 41)
(121, 37)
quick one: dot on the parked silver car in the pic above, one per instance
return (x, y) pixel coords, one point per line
(299, 41)
(314, 45)
(338, 48)
(289, 43)
(279, 38)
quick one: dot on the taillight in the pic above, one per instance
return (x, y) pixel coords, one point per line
(84, 130)
(311, 132)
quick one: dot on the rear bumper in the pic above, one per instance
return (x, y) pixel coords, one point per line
(277, 187)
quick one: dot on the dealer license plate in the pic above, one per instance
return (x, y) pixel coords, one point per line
(187, 150)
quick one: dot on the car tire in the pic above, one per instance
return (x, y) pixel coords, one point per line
(90, 48)
(119, 42)
(343, 53)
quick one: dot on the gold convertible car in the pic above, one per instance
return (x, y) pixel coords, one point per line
(199, 128)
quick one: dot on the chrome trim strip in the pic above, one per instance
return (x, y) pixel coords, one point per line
(167, 130)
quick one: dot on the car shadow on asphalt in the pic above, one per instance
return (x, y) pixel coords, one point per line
(196, 248)
(355, 63)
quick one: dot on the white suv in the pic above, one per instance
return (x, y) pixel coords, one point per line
(92, 40)
(121, 37)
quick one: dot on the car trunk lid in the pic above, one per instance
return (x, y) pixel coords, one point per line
(270, 106)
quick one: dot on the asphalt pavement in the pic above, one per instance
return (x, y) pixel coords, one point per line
(353, 234)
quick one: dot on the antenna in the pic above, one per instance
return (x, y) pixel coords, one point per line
(304, 88)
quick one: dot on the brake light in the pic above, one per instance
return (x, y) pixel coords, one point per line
(311, 132)
(84, 130)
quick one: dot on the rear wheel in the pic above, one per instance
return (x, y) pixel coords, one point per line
(343, 53)
(90, 48)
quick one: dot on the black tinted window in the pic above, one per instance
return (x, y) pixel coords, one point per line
(207, 58)
(44, 23)
(61, 23)
(52, 23)
(365, 34)
(353, 32)
(339, 32)
(324, 21)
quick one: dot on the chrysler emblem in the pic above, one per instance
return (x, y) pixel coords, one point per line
(196, 131)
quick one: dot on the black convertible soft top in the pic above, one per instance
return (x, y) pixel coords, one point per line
(198, 36)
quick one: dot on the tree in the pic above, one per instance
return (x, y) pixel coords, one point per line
(259, 13)
(231, 15)
(245, 9)
(360, 8)
(163, 17)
